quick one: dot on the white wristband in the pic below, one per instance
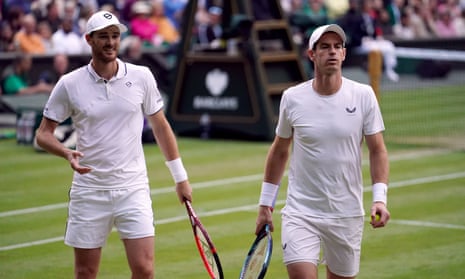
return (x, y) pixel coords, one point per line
(380, 192)
(268, 194)
(177, 170)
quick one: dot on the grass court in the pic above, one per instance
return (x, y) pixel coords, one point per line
(425, 238)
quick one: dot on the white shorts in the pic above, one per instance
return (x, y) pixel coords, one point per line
(340, 239)
(92, 214)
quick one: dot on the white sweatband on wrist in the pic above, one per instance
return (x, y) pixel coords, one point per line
(268, 194)
(380, 192)
(177, 170)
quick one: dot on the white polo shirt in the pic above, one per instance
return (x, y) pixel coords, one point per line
(325, 175)
(108, 117)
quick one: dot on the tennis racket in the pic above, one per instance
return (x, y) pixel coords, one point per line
(205, 245)
(258, 258)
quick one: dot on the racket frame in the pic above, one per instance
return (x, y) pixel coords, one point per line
(198, 226)
(264, 233)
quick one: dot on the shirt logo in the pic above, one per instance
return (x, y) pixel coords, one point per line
(128, 84)
(351, 110)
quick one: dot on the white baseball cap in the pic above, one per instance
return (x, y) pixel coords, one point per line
(316, 35)
(103, 19)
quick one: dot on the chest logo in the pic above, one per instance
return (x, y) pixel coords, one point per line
(351, 110)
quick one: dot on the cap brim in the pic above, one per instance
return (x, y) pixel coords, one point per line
(325, 29)
(122, 28)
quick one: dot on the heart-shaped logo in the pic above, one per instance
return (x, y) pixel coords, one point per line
(216, 82)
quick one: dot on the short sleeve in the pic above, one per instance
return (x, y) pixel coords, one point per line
(284, 128)
(373, 121)
(58, 106)
(153, 100)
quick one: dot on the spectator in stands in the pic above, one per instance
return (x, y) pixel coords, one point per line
(23, 5)
(65, 40)
(92, 5)
(131, 49)
(13, 16)
(27, 39)
(394, 8)
(60, 67)
(202, 15)
(72, 12)
(404, 30)
(83, 15)
(383, 18)
(51, 15)
(422, 21)
(45, 32)
(307, 15)
(167, 31)
(6, 37)
(209, 33)
(454, 7)
(444, 24)
(15, 80)
(459, 24)
(140, 24)
(316, 10)
(125, 12)
(364, 35)
(353, 24)
(174, 10)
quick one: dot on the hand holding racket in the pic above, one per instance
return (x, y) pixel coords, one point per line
(204, 244)
(259, 256)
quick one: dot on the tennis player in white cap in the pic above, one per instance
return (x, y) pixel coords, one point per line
(325, 120)
(107, 101)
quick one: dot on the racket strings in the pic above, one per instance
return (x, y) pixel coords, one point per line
(208, 255)
(206, 249)
(259, 256)
(257, 259)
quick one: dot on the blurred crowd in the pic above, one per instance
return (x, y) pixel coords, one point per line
(393, 19)
(56, 27)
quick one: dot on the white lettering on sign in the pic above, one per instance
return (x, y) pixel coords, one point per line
(215, 103)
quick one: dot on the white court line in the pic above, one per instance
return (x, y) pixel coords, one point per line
(233, 210)
(214, 183)
(427, 224)
(234, 180)
(220, 182)
(164, 190)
